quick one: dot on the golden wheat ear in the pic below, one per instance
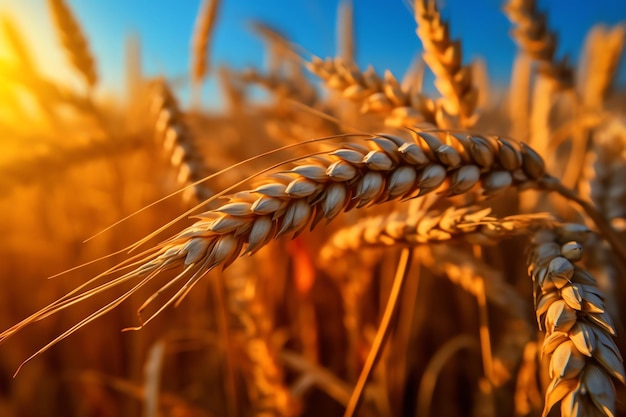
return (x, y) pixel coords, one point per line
(579, 332)
(376, 95)
(386, 168)
(533, 37)
(179, 143)
(445, 58)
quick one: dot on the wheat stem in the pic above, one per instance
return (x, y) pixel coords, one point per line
(384, 330)
(607, 231)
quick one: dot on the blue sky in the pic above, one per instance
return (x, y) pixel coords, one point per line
(385, 31)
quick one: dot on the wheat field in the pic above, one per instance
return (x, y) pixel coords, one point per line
(333, 240)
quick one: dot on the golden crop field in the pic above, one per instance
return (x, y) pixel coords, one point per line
(333, 240)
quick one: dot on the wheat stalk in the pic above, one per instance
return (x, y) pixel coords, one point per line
(73, 40)
(345, 31)
(579, 332)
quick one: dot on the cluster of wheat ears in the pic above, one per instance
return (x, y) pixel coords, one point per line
(468, 260)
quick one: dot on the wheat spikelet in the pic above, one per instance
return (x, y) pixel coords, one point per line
(579, 332)
(444, 57)
(602, 184)
(73, 40)
(533, 36)
(177, 140)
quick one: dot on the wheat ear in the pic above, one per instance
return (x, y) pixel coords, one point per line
(178, 141)
(470, 225)
(390, 168)
(579, 332)
(534, 38)
(376, 95)
(73, 40)
(445, 59)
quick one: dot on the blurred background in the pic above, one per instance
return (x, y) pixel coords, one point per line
(76, 156)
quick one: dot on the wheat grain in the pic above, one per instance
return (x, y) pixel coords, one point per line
(467, 167)
(579, 332)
